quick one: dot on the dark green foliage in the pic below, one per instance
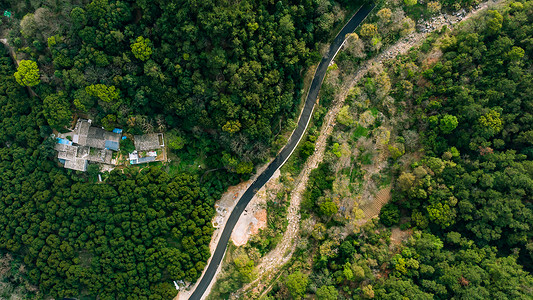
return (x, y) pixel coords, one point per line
(226, 74)
(127, 146)
(131, 235)
(479, 95)
(389, 215)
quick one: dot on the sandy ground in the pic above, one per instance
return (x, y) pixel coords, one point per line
(255, 214)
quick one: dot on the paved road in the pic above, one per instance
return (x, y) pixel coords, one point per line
(282, 157)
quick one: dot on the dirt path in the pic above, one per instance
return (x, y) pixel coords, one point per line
(268, 268)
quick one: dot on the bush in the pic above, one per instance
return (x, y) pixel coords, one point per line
(389, 215)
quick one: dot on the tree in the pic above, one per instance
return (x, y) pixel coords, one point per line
(448, 123)
(297, 284)
(232, 126)
(103, 92)
(78, 17)
(328, 208)
(406, 181)
(327, 292)
(56, 110)
(141, 48)
(344, 116)
(174, 140)
(434, 6)
(494, 22)
(384, 15)
(389, 215)
(368, 30)
(27, 73)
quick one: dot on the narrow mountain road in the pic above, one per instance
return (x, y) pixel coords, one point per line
(285, 153)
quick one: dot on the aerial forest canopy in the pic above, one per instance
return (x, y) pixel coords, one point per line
(225, 76)
(220, 78)
(459, 161)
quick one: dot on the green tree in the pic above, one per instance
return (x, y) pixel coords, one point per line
(232, 126)
(448, 123)
(494, 22)
(27, 73)
(297, 284)
(78, 17)
(175, 141)
(103, 92)
(328, 208)
(141, 48)
(327, 292)
(368, 30)
(56, 110)
(389, 214)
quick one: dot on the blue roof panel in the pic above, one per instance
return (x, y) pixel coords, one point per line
(63, 141)
(111, 145)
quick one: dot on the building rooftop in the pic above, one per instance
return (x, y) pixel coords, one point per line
(149, 141)
(90, 144)
(78, 164)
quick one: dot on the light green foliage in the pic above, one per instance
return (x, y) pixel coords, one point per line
(368, 30)
(27, 73)
(244, 265)
(441, 214)
(244, 167)
(53, 40)
(409, 2)
(344, 116)
(328, 208)
(103, 92)
(56, 110)
(297, 284)
(109, 122)
(175, 141)
(396, 150)
(232, 126)
(327, 292)
(141, 48)
(494, 22)
(516, 53)
(448, 123)
(492, 120)
(336, 149)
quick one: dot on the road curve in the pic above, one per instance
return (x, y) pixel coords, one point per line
(285, 153)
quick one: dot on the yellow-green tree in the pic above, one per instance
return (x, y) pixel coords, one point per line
(27, 73)
(103, 92)
(232, 126)
(141, 48)
(368, 30)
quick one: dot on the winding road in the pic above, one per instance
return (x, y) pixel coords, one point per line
(285, 153)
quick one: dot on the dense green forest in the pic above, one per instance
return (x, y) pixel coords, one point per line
(220, 78)
(461, 162)
(132, 235)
